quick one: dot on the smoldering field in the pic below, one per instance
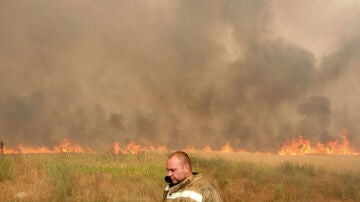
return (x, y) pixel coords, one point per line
(140, 177)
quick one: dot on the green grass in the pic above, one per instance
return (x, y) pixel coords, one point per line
(7, 168)
(109, 177)
(62, 176)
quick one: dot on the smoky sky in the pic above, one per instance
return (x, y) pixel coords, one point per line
(177, 73)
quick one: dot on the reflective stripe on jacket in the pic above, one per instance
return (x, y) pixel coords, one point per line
(195, 188)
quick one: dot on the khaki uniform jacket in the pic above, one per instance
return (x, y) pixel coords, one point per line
(194, 188)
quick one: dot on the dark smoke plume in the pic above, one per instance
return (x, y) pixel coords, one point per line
(176, 73)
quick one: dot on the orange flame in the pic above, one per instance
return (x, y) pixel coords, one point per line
(64, 146)
(299, 146)
(207, 148)
(133, 148)
(227, 148)
(302, 146)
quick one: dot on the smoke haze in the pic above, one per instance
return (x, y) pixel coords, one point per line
(177, 73)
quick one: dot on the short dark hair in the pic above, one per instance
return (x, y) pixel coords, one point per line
(182, 156)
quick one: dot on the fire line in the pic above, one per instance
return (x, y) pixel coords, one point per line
(298, 146)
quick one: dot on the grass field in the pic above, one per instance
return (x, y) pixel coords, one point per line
(139, 177)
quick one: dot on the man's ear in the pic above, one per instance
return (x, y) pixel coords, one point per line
(187, 167)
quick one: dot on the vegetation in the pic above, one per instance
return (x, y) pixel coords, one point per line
(6, 168)
(238, 177)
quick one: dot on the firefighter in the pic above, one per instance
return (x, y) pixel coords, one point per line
(185, 185)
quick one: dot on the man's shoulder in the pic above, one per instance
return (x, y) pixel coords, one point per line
(200, 181)
(202, 185)
(196, 186)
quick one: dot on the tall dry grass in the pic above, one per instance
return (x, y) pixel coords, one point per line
(238, 177)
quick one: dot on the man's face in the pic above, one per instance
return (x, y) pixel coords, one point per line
(177, 171)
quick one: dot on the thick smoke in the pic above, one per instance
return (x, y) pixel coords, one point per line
(176, 73)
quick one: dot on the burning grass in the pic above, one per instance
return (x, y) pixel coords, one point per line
(139, 177)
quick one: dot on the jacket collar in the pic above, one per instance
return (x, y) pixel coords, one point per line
(174, 187)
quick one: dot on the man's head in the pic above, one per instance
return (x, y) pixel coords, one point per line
(178, 167)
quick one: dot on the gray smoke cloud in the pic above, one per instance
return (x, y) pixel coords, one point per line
(178, 73)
